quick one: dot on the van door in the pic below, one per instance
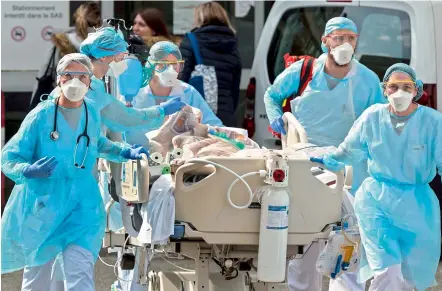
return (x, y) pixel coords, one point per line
(415, 39)
(390, 32)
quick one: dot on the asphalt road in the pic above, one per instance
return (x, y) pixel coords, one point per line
(104, 277)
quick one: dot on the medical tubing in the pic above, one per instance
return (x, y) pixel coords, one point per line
(176, 266)
(345, 218)
(109, 265)
(116, 271)
(261, 173)
(249, 190)
(224, 136)
(229, 199)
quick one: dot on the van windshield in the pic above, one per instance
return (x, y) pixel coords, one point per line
(384, 36)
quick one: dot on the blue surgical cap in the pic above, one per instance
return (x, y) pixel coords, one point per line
(406, 69)
(162, 49)
(338, 23)
(102, 43)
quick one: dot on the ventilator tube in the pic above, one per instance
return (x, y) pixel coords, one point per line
(273, 233)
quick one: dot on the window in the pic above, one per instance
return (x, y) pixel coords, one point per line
(385, 36)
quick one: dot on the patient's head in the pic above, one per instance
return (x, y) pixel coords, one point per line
(184, 120)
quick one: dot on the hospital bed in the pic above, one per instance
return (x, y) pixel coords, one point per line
(218, 244)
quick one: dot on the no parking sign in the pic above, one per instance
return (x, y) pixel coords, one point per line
(29, 27)
(46, 32)
(18, 33)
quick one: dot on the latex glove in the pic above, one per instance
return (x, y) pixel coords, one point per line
(329, 163)
(173, 105)
(42, 168)
(278, 126)
(134, 152)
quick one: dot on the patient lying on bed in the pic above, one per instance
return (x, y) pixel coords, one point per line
(184, 130)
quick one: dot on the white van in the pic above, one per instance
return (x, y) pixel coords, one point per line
(390, 32)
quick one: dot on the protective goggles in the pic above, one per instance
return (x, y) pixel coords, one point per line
(407, 86)
(341, 38)
(119, 56)
(79, 75)
(161, 66)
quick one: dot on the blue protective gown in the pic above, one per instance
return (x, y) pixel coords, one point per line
(44, 216)
(327, 115)
(118, 118)
(115, 115)
(398, 212)
(188, 94)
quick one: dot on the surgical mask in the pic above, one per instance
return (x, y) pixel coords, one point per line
(400, 100)
(342, 54)
(168, 78)
(118, 68)
(74, 90)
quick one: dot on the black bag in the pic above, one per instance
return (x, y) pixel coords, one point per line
(46, 83)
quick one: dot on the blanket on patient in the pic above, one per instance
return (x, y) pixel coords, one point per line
(183, 130)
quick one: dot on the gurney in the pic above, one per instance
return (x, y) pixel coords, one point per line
(219, 244)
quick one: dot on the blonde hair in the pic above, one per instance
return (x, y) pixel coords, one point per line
(211, 13)
(87, 15)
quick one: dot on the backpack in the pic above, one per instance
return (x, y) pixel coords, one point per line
(46, 83)
(203, 78)
(306, 77)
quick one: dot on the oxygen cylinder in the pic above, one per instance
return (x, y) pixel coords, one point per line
(273, 233)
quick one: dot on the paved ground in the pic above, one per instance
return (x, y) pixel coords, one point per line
(104, 277)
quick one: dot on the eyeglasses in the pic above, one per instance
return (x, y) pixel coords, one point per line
(161, 66)
(82, 76)
(406, 86)
(341, 38)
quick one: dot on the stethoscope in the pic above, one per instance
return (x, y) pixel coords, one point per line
(55, 135)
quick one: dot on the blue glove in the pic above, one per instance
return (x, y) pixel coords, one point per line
(278, 126)
(173, 105)
(318, 160)
(329, 163)
(42, 168)
(134, 152)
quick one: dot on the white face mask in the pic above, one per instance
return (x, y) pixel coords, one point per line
(168, 78)
(400, 100)
(74, 90)
(118, 68)
(342, 54)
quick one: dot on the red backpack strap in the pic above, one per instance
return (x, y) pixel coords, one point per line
(306, 75)
(305, 78)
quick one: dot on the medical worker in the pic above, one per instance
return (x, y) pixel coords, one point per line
(107, 49)
(398, 213)
(165, 62)
(340, 90)
(55, 206)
